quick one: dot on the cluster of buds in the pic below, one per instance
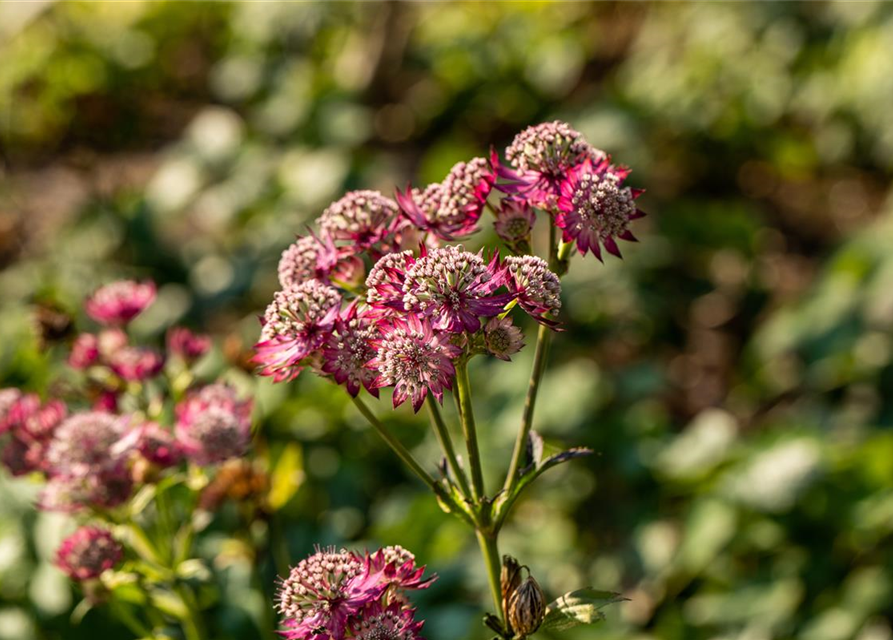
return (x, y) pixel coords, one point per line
(334, 594)
(523, 601)
(113, 433)
(416, 313)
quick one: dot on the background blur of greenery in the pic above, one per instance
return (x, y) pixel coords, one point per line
(733, 373)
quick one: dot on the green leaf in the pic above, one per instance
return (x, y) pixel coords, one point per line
(582, 606)
(287, 476)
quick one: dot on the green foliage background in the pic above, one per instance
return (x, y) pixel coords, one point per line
(733, 373)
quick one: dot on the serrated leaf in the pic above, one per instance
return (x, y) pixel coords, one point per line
(582, 606)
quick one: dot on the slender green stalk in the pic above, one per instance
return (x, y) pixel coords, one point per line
(446, 444)
(193, 626)
(125, 615)
(401, 451)
(490, 553)
(469, 430)
(539, 366)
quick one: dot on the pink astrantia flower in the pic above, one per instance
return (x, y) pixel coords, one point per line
(536, 288)
(120, 302)
(84, 351)
(455, 288)
(514, 221)
(157, 444)
(452, 208)
(542, 155)
(136, 364)
(106, 488)
(187, 345)
(503, 339)
(213, 425)
(349, 348)
(20, 456)
(322, 592)
(392, 622)
(385, 283)
(86, 444)
(396, 567)
(40, 424)
(594, 208)
(15, 407)
(296, 325)
(88, 552)
(366, 219)
(414, 358)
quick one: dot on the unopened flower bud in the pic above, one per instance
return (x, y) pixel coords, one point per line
(509, 579)
(527, 607)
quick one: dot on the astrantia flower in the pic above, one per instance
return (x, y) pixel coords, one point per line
(391, 622)
(213, 424)
(365, 218)
(385, 283)
(451, 208)
(136, 364)
(413, 358)
(503, 339)
(85, 444)
(20, 456)
(595, 208)
(514, 221)
(15, 407)
(537, 289)
(157, 444)
(187, 345)
(109, 487)
(120, 302)
(322, 592)
(84, 351)
(40, 424)
(396, 567)
(88, 552)
(455, 288)
(296, 324)
(348, 350)
(543, 154)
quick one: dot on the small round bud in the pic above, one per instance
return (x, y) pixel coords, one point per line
(527, 607)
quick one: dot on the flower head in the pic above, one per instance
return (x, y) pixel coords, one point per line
(15, 407)
(514, 221)
(542, 154)
(296, 325)
(109, 487)
(538, 290)
(414, 358)
(385, 281)
(321, 592)
(595, 209)
(455, 288)
(84, 351)
(503, 339)
(348, 350)
(120, 302)
(451, 208)
(391, 622)
(366, 218)
(187, 345)
(88, 552)
(157, 445)
(136, 364)
(213, 425)
(87, 444)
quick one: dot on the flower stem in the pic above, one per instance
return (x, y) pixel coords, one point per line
(402, 452)
(193, 627)
(539, 367)
(490, 553)
(446, 444)
(125, 615)
(469, 430)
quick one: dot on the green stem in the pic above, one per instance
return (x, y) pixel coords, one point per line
(397, 446)
(490, 553)
(539, 366)
(130, 621)
(193, 627)
(446, 444)
(469, 430)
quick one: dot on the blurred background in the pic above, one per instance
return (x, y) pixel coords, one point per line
(733, 373)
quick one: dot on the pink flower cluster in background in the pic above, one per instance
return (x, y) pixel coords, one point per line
(376, 299)
(333, 595)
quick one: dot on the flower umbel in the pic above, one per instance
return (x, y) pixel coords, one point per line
(213, 425)
(120, 302)
(88, 552)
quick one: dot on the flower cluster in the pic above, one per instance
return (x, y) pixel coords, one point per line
(88, 552)
(419, 312)
(94, 450)
(341, 594)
